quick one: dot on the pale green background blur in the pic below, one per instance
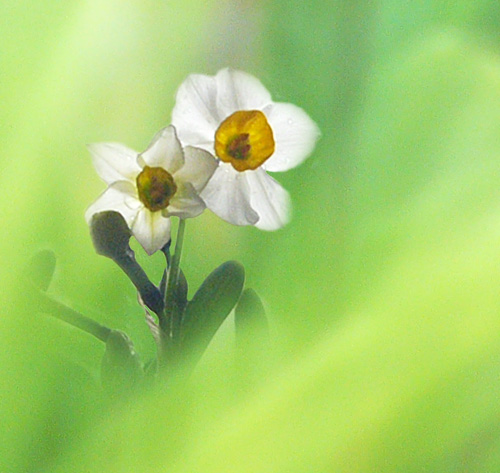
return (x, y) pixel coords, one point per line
(383, 293)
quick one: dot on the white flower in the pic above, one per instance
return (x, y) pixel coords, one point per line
(232, 115)
(148, 188)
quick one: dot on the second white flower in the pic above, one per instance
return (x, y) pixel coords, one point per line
(232, 115)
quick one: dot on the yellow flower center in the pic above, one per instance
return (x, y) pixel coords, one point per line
(155, 187)
(245, 140)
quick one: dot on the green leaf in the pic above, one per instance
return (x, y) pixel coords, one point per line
(180, 302)
(121, 368)
(252, 339)
(181, 290)
(41, 269)
(210, 306)
(249, 315)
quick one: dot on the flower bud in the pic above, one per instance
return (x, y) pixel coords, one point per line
(110, 234)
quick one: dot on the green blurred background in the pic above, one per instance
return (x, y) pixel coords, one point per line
(383, 292)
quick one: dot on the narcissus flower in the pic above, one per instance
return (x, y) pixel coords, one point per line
(232, 115)
(147, 188)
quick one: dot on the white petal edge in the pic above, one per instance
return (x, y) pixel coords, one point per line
(270, 201)
(186, 203)
(165, 151)
(119, 196)
(114, 162)
(238, 90)
(199, 166)
(151, 230)
(195, 115)
(227, 195)
(295, 136)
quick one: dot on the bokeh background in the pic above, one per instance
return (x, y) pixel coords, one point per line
(383, 293)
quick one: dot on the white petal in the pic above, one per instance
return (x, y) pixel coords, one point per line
(119, 196)
(114, 162)
(295, 135)
(165, 151)
(199, 166)
(269, 200)
(151, 230)
(195, 114)
(237, 90)
(186, 203)
(227, 195)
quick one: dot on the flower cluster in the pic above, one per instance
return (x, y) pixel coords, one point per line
(226, 134)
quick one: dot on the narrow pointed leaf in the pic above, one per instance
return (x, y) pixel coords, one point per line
(181, 291)
(41, 269)
(210, 306)
(163, 283)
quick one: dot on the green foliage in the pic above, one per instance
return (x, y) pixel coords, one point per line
(41, 269)
(121, 368)
(210, 306)
(249, 313)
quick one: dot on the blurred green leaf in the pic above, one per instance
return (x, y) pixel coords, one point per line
(250, 318)
(210, 306)
(252, 341)
(41, 269)
(121, 368)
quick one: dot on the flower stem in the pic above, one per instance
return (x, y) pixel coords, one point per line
(171, 315)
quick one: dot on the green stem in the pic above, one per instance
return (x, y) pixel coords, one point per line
(172, 280)
(72, 317)
(163, 283)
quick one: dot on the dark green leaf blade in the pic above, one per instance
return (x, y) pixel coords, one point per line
(249, 316)
(181, 291)
(210, 306)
